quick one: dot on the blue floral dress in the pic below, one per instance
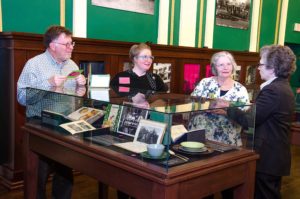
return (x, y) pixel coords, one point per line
(218, 127)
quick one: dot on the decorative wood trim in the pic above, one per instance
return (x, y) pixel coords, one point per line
(63, 12)
(1, 26)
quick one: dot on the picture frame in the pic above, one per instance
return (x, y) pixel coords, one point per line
(164, 71)
(237, 73)
(129, 120)
(234, 14)
(141, 6)
(250, 75)
(251, 94)
(150, 132)
(127, 66)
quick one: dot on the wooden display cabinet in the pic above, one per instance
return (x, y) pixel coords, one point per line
(17, 48)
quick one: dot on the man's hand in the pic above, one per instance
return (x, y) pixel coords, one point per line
(80, 90)
(80, 79)
(57, 80)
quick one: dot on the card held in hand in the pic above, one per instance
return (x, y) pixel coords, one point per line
(74, 73)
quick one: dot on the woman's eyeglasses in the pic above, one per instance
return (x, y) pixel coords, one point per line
(67, 45)
(259, 65)
(145, 57)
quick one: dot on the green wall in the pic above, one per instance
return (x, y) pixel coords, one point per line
(293, 17)
(292, 38)
(29, 16)
(268, 22)
(295, 78)
(69, 14)
(112, 24)
(35, 16)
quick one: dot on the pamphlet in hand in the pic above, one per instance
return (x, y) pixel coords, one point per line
(74, 74)
(77, 126)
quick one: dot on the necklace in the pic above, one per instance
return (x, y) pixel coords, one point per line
(225, 84)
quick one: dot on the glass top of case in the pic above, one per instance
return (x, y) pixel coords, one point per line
(127, 120)
(146, 99)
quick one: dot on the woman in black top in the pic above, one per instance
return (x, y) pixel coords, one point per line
(138, 76)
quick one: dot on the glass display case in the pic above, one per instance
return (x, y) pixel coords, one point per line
(128, 121)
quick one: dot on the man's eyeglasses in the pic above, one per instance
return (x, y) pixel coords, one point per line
(67, 45)
(145, 57)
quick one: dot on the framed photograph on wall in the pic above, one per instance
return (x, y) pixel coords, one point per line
(141, 6)
(164, 70)
(237, 73)
(150, 132)
(127, 66)
(250, 93)
(233, 13)
(250, 75)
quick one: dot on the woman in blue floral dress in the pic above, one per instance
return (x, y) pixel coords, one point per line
(220, 86)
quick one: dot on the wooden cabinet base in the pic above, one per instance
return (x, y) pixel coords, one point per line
(11, 179)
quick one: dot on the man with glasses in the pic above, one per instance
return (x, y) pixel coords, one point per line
(49, 71)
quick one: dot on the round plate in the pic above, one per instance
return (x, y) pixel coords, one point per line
(177, 148)
(203, 149)
(146, 155)
(193, 145)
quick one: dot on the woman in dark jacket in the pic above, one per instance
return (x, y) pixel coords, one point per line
(274, 109)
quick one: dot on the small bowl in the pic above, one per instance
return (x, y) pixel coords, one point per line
(155, 150)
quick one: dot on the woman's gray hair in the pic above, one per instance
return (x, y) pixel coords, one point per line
(281, 58)
(217, 56)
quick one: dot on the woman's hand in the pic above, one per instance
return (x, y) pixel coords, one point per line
(219, 106)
